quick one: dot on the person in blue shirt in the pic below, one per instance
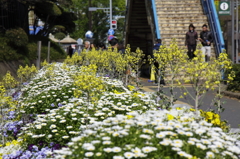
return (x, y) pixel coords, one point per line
(158, 44)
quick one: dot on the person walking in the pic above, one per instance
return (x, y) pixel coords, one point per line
(206, 40)
(191, 41)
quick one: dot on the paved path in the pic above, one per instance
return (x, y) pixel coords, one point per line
(232, 106)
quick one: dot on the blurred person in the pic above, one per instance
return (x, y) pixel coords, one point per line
(121, 48)
(206, 40)
(191, 41)
(101, 46)
(157, 45)
(87, 45)
(114, 43)
(92, 46)
(70, 51)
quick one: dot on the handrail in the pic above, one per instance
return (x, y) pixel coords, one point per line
(157, 27)
(210, 10)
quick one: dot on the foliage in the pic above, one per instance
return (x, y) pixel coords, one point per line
(60, 35)
(49, 8)
(235, 84)
(29, 51)
(9, 81)
(25, 73)
(6, 51)
(17, 37)
(56, 52)
(170, 60)
(87, 82)
(100, 23)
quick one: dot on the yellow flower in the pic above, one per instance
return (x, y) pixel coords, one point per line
(193, 110)
(131, 87)
(209, 115)
(8, 143)
(129, 116)
(170, 117)
(217, 121)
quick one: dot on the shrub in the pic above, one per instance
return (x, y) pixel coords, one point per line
(60, 35)
(235, 84)
(17, 37)
(56, 52)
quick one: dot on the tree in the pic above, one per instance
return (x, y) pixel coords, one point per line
(100, 20)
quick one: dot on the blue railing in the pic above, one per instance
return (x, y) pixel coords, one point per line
(211, 12)
(157, 28)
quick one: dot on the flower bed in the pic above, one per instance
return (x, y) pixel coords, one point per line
(155, 134)
(77, 114)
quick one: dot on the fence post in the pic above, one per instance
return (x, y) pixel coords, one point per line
(39, 44)
(48, 55)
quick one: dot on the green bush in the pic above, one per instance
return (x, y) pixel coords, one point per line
(56, 52)
(10, 51)
(235, 84)
(59, 35)
(7, 52)
(17, 37)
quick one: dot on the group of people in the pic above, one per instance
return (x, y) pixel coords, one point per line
(88, 46)
(191, 40)
(205, 38)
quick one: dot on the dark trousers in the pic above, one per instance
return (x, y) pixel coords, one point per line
(191, 50)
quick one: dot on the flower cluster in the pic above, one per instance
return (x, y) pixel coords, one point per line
(12, 128)
(34, 153)
(9, 81)
(9, 148)
(25, 73)
(48, 92)
(152, 135)
(214, 118)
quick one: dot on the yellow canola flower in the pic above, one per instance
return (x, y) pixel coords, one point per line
(131, 88)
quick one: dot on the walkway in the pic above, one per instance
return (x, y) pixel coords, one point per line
(232, 106)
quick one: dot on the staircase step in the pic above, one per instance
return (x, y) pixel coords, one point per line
(185, 2)
(162, 21)
(183, 5)
(197, 23)
(160, 7)
(179, 11)
(182, 16)
(186, 24)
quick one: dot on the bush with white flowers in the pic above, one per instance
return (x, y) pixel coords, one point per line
(173, 134)
(61, 124)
